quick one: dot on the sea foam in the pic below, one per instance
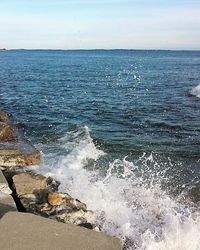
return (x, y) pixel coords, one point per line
(196, 91)
(126, 205)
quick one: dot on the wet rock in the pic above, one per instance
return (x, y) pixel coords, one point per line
(75, 204)
(6, 133)
(66, 212)
(19, 154)
(32, 190)
(69, 210)
(56, 199)
(76, 217)
(90, 226)
(64, 200)
(15, 149)
(39, 195)
(66, 209)
(4, 117)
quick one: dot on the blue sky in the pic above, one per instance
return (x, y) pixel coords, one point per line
(87, 24)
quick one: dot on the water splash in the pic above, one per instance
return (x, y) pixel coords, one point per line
(128, 200)
(196, 91)
(81, 148)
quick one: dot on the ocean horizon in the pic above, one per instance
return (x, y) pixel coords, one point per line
(101, 49)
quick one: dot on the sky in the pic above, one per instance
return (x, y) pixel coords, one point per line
(100, 24)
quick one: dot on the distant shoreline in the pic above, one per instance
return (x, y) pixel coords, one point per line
(159, 50)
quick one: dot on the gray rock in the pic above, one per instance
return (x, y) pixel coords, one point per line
(76, 217)
(4, 117)
(90, 226)
(29, 185)
(32, 190)
(57, 199)
(4, 187)
(38, 194)
(62, 207)
(7, 204)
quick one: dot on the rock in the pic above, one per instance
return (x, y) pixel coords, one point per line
(15, 149)
(18, 154)
(56, 199)
(76, 204)
(6, 204)
(32, 190)
(6, 133)
(4, 187)
(28, 184)
(64, 208)
(39, 195)
(58, 209)
(76, 217)
(68, 210)
(4, 117)
(90, 226)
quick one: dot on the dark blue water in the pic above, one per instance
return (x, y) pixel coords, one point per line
(136, 104)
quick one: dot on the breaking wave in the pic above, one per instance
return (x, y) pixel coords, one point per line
(127, 199)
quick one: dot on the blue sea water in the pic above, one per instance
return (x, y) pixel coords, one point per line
(120, 130)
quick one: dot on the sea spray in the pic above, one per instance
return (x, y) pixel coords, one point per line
(81, 149)
(127, 198)
(196, 91)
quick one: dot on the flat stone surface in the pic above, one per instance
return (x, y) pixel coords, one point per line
(23, 231)
(26, 183)
(7, 204)
(17, 154)
(4, 187)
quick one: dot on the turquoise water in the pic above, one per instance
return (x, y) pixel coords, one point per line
(120, 130)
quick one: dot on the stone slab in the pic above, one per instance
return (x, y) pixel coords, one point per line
(26, 183)
(23, 231)
(4, 187)
(7, 204)
(18, 154)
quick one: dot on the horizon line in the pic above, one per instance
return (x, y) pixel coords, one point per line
(100, 49)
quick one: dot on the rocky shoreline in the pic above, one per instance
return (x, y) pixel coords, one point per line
(25, 191)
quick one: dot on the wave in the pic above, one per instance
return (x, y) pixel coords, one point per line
(196, 91)
(128, 202)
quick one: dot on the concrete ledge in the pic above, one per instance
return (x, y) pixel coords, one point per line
(22, 231)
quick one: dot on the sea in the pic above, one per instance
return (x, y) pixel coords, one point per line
(120, 130)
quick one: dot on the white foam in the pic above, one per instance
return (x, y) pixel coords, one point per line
(196, 91)
(82, 149)
(141, 215)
